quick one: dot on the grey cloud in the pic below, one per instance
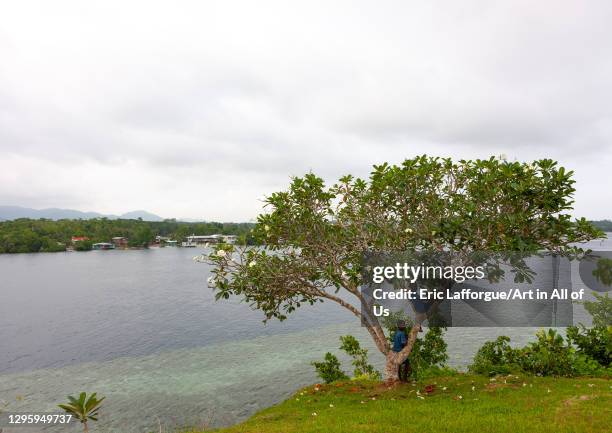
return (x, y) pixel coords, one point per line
(161, 105)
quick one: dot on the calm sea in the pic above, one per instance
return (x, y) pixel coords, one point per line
(142, 329)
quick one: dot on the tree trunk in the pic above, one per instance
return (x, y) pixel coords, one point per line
(391, 370)
(394, 359)
(85, 427)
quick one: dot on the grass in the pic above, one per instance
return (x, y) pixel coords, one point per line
(458, 403)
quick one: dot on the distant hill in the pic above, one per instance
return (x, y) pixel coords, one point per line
(146, 216)
(15, 212)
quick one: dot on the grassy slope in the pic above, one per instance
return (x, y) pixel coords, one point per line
(500, 405)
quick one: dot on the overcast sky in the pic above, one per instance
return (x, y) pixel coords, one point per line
(198, 109)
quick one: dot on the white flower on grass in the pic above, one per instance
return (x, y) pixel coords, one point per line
(221, 253)
(524, 384)
(473, 388)
(444, 389)
(314, 414)
(459, 397)
(253, 263)
(548, 390)
(591, 385)
(331, 405)
(408, 230)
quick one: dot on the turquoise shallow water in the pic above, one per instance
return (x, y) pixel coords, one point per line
(218, 384)
(141, 328)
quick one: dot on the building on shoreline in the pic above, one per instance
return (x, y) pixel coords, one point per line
(103, 246)
(203, 240)
(120, 242)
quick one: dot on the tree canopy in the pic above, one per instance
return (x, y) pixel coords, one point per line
(315, 235)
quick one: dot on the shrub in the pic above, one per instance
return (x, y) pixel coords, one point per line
(548, 355)
(600, 309)
(360, 358)
(495, 357)
(595, 342)
(329, 370)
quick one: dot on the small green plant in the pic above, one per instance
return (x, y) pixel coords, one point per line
(600, 309)
(595, 342)
(495, 357)
(548, 355)
(360, 358)
(330, 370)
(429, 353)
(83, 408)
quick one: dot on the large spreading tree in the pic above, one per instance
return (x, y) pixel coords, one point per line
(314, 236)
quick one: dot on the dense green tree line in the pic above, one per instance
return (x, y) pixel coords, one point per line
(605, 225)
(43, 235)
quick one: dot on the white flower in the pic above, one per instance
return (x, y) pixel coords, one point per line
(221, 253)
(314, 414)
(459, 397)
(253, 263)
(267, 228)
(421, 397)
(397, 203)
(524, 384)
(331, 405)
(548, 390)
(473, 388)
(444, 389)
(408, 230)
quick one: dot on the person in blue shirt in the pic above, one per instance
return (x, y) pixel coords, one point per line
(400, 339)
